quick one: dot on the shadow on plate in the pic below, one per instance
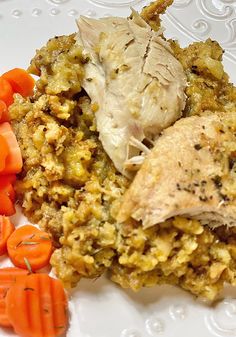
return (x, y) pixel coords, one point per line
(164, 294)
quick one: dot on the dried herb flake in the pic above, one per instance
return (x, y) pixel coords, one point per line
(28, 265)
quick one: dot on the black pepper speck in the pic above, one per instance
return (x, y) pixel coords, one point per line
(197, 147)
(217, 181)
(204, 199)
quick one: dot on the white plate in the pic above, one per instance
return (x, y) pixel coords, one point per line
(101, 309)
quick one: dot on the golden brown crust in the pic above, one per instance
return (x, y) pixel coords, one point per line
(151, 13)
(209, 88)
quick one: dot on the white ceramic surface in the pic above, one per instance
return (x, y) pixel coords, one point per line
(101, 309)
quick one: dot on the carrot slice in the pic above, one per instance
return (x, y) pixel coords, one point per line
(6, 205)
(14, 158)
(6, 92)
(8, 190)
(4, 152)
(3, 107)
(4, 116)
(8, 277)
(20, 81)
(6, 186)
(37, 306)
(6, 229)
(7, 179)
(29, 247)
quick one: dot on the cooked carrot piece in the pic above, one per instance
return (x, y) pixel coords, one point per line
(14, 158)
(4, 116)
(4, 152)
(8, 179)
(8, 190)
(29, 247)
(37, 306)
(6, 205)
(3, 107)
(6, 185)
(20, 80)
(6, 91)
(6, 229)
(8, 277)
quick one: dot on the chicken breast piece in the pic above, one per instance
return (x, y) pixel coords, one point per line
(137, 85)
(191, 171)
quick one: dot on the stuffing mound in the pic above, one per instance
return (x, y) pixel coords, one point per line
(68, 184)
(70, 187)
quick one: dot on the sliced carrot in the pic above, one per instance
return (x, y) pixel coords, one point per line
(8, 190)
(7, 195)
(6, 229)
(4, 152)
(4, 116)
(6, 205)
(21, 81)
(7, 179)
(6, 91)
(3, 107)
(8, 277)
(6, 185)
(29, 247)
(37, 306)
(14, 159)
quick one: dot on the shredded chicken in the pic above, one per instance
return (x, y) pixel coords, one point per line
(136, 82)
